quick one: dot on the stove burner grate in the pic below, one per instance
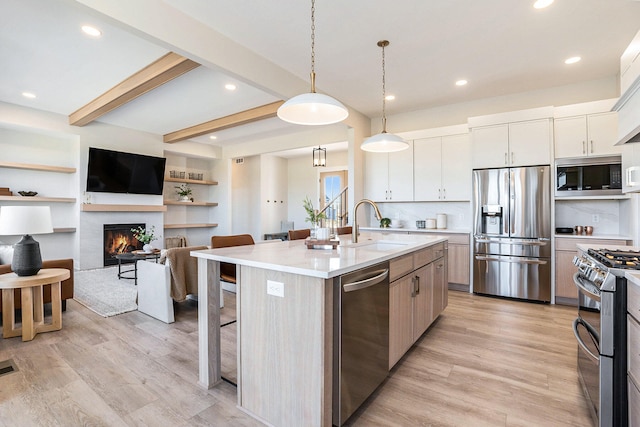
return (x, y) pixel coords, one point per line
(616, 258)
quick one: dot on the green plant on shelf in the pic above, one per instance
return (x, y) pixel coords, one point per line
(183, 190)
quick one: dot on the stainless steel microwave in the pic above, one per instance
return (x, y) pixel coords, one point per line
(589, 176)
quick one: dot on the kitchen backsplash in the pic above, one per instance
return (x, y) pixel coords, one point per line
(406, 214)
(603, 215)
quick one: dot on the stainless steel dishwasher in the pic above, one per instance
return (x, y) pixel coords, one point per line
(361, 337)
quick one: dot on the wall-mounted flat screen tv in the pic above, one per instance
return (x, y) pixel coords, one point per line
(118, 172)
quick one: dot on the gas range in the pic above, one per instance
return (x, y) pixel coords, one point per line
(602, 266)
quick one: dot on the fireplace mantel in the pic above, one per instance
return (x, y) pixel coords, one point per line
(90, 207)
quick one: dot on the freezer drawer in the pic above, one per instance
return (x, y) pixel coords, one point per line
(530, 248)
(511, 276)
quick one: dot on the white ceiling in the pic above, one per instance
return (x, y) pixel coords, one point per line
(500, 46)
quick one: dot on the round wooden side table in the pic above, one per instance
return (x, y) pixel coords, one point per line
(32, 302)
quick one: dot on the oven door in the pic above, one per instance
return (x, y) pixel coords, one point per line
(586, 328)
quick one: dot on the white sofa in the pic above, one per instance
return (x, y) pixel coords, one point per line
(155, 285)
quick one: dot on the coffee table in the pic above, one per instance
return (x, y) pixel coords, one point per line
(32, 305)
(134, 257)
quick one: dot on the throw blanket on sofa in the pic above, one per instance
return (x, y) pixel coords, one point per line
(184, 272)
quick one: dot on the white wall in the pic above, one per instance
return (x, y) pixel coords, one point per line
(273, 198)
(245, 196)
(303, 181)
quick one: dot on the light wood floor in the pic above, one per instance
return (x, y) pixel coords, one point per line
(486, 361)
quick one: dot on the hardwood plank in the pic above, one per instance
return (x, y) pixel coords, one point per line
(485, 361)
(159, 72)
(238, 119)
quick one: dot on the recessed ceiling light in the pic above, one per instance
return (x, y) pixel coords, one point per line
(572, 60)
(91, 31)
(213, 137)
(390, 97)
(541, 4)
(29, 95)
(230, 86)
(461, 82)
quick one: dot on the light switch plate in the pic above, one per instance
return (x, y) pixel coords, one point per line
(275, 288)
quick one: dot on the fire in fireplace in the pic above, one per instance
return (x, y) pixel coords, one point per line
(119, 239)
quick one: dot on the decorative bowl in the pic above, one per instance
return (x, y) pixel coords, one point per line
(27, 193)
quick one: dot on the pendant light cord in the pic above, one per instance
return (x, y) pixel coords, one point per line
(383, 44)
(313, 46)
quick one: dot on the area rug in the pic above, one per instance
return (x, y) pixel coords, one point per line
(101, 291)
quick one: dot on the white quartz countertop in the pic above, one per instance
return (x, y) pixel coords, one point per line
(294, 257)
(417, 230)
(594, 236)
(633, 277)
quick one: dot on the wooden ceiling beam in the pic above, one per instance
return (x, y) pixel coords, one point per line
(242, 118)
(150, 77)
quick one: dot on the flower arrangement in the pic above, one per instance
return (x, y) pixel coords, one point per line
(312, 214)
(143, 235)
(183, 190)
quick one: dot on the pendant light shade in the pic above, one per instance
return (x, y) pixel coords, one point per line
(313, 108)
(384, 142)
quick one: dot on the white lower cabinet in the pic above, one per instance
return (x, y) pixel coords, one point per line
(417, 295)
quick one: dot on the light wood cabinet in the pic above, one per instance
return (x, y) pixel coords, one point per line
(512, 144)
(389, 176)
(633, 349)
(586, 135)
(442, 168)
(459, 251)
(417, 295)
(566, 249)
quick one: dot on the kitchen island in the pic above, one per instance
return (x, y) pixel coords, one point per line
(285, 309)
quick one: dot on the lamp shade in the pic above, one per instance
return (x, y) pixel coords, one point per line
(384, 143)
(313, 109)
(21, 220)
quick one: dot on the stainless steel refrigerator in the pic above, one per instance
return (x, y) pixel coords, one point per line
(512, 232)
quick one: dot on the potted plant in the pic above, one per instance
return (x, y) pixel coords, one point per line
(184, 192)
(145, 236)
(313, 216)
(385, 223)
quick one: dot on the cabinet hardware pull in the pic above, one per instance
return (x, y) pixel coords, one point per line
(592, 146)
(505, 158)
(512, 157)
(444, 193)
(583, 148)
(439, 192)
(418, 283)
(413, 287)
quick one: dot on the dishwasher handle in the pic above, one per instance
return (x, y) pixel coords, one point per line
(377, 277)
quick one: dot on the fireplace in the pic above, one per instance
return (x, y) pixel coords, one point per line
(119, 239)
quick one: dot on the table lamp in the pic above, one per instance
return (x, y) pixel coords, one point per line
(25, 220)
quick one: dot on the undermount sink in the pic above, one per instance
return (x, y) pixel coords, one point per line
(379, 245)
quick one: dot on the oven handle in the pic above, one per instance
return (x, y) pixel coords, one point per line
(514, 260)
(578, 321)
(578, 282)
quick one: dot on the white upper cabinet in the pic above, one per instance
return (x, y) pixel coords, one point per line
(442, 168)
(522, 143)
(586, 135)
(389, 176)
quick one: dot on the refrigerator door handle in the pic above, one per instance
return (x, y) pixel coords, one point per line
(514, 260)
(533, 242)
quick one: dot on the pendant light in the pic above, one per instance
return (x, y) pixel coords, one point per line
(384, 142)
(319, 157)
(313, 108)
